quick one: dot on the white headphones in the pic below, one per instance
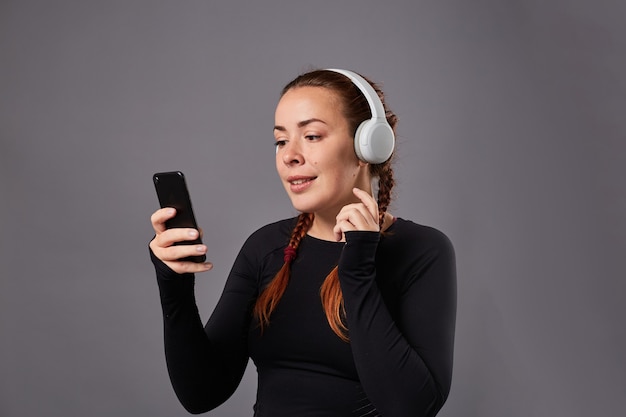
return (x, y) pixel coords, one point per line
(374, 139)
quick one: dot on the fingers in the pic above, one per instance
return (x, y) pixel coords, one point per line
(181, 267)
(369, 202)
(176, 252)
(164, 244)
(159, 218)
(354, 217)
(167, 237)
(171, 236)
(341, 227)
(357, 216)
(172, 255)
(364, 214)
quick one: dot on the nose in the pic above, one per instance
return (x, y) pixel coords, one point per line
(291, 153)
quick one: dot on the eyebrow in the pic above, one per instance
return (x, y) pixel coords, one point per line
(300, 124)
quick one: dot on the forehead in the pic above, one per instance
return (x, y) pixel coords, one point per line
(309, 101)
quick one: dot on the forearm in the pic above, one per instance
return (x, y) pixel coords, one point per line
(393, 374)
(396, 374)
(202, 373)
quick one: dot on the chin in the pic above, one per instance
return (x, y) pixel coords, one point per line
(303, 208)
(302, 205)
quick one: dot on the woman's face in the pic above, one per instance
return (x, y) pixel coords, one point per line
(315, 155)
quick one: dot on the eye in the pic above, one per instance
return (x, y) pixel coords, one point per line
(280, 143)
(313, 137)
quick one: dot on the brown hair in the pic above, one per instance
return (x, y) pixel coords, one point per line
(356, 109)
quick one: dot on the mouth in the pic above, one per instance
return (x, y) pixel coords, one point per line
(299, 184)
(301, 181)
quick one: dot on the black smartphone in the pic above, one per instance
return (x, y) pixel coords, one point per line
(172, 191)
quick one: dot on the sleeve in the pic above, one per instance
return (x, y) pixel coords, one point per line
(205, 363)
(405, 367)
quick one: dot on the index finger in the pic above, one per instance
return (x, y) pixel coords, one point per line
(367, 200)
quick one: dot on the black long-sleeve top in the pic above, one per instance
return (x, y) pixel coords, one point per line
(399, 292)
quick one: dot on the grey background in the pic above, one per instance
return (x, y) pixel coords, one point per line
(511, 141)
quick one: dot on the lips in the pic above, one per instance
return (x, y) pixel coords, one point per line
(299, 183)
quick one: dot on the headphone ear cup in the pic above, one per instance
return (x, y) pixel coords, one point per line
(358, 148)
(374, 141)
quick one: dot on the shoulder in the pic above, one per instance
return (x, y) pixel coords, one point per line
(264, 247)
(274, 231)
(414, 252)
(270, 237)
(418, 237)
(261, 255)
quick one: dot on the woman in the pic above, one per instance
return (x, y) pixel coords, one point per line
(345, 310)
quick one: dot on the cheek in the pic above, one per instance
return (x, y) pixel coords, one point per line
(349, 156)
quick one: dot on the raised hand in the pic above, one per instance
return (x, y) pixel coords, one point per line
(163, 244)
(357, 216)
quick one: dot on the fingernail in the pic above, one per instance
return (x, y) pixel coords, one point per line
(193, 233)
(200, 248)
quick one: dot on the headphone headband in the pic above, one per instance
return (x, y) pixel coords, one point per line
(374, 140)
(376, 106)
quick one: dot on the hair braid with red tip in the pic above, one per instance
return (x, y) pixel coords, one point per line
(271, 295)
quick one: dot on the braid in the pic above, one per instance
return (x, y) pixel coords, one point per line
(271, 295)
(305, 220)
(332, 301)
(385, 185)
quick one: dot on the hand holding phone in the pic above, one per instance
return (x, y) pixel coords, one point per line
(172, 191)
